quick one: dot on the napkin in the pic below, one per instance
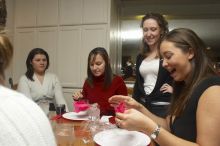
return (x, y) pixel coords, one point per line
(80, 105)
(120, 108)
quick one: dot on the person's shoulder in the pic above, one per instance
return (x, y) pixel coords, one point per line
(7, 94)
(23, 78)
(206, 83)
(118, 78)
(211, 80)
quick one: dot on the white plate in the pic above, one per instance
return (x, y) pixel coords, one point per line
(160, 103)
(121, 137)
(76, 116)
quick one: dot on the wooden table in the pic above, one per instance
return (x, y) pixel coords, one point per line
(77, 134)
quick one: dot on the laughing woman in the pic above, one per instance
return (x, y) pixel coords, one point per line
(194, 118)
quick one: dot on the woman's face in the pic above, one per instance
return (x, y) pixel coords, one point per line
(176, 61)
(39, 63)
(97, 65)
(151, 32)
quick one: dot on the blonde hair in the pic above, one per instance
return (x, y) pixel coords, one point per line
(6, 53)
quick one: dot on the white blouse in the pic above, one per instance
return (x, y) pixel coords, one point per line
(50, 88)
(149, 71)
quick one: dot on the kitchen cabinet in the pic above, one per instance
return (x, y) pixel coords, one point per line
(25, 13)
(68, 30)
(24, 41)
(47, 13)
(75, 43)
(71, 12)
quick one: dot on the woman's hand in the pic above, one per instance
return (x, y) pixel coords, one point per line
(77, 95)
(134, 120)
(129, 101)
(166, 88)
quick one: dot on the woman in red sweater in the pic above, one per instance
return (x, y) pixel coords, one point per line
(101, 84)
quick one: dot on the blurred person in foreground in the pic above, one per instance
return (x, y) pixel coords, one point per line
(39, 85)
(101, 83)
(194, 118)
(22, 122)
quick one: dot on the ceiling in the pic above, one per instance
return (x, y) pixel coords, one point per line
(194, 10)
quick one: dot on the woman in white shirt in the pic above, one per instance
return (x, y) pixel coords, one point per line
(38, 84)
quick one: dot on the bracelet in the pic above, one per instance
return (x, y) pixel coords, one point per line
(155, 133)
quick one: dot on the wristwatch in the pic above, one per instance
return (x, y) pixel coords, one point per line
(155, 133)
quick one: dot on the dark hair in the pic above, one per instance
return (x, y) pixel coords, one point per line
(187, 40)
(6, 53)
(30, 71)
(108, 75)
(163, 24)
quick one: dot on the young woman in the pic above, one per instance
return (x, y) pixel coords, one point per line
(101, 83)
(22, 122)
(38, 84)
(194, 115)
(152, 85)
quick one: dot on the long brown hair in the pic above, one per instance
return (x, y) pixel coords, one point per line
(163, 24)
(6, 52)
(187, 40)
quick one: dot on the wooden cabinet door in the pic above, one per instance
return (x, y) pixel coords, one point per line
(24, 41)
(68, 56)
(25, 13)
(96, 11)
(71, 12)
(47, 13)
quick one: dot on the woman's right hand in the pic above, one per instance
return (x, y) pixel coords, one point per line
(129, 101)
(77, 95)
(134, 120)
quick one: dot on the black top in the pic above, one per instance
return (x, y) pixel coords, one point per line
(156, 94)
(185, 125)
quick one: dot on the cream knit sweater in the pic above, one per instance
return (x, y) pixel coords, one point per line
(22, 122)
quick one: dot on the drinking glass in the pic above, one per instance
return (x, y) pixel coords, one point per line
(60, 109)
(94, 112)
(64, 134)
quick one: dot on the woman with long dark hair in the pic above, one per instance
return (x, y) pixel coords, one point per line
(38, 84)
(194, 118)
(101, 83)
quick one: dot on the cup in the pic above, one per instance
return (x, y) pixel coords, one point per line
(81, 105)
(94, 112)
(60, 109)
(64, 134)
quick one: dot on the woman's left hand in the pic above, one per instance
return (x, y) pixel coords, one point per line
(166, 88)
(134, 120)
(129, 101)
